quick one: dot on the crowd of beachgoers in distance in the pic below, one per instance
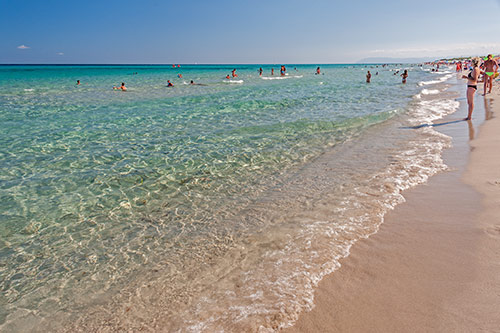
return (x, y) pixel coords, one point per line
(481, 70)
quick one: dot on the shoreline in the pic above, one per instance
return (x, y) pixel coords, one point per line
(434, 263)
(314, 209)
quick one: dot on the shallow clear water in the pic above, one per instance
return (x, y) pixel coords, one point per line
(198, 207)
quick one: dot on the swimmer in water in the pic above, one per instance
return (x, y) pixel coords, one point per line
(318, 71)
(368, 77)
(272, 71)
(233, 73)
(404, 76)
(260, 71)
(122, 87)
(169, 84)
(196, 84)
(228, 77)
(179, 76)
(77, 82)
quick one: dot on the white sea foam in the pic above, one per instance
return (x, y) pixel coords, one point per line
(430, 110)
(440, 80)
(430, 91)
(281, 77)
(425, 92)
(233, 81)
(274, 77)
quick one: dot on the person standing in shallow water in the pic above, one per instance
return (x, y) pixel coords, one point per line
(368, 77)
(283, 71)
(404, 76)
(472, 85)
(490, 68)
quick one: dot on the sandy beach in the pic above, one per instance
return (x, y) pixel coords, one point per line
(243, 167)
(434, 265)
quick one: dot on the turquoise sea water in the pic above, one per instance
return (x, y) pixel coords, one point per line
(121, 202)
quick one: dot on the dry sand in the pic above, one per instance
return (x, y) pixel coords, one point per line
(434, 265)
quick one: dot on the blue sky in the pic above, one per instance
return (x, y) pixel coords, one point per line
(232, 31)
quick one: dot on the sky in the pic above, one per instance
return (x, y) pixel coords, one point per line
(238, 32)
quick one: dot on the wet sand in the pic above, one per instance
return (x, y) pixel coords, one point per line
(434, 265)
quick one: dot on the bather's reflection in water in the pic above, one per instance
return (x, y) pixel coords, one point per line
(488, 114)
(471, 129)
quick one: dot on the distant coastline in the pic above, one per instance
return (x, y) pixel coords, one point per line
(387, 60)
(226, 64)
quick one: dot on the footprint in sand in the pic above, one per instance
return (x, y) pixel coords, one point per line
(494, 231)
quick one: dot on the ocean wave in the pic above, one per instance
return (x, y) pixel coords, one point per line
(440, 80)
(281, 77)
(429, 110)
(430, 91)
(233, 81)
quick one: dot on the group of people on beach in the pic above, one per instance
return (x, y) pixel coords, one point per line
(488, 69)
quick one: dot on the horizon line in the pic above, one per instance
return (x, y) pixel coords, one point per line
(194, 64)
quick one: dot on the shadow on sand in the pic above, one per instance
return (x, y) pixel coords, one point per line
(433, 125)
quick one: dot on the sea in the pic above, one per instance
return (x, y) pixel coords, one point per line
(209, 207)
